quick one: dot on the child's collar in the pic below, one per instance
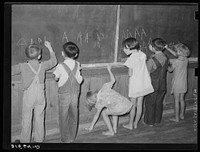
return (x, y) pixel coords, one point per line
(182, 58)
(28, 61)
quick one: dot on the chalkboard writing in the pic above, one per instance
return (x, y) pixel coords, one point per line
(173, 23)
(91, 27)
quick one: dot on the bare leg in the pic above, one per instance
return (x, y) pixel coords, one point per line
(106, 119)
(139, 111)
(176, 110)
(182, 109)
(132, 115)
(115, 120)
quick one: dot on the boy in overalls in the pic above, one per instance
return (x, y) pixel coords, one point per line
(69, 79)
(157, 67)
(33, 78)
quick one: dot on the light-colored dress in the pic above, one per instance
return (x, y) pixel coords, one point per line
(179, 77)
(115, 103)
(140, 81)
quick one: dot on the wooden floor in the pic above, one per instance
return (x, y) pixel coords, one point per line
(183, 132)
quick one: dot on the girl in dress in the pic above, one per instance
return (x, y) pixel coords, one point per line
(139, 79)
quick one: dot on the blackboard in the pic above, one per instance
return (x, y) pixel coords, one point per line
(91, 27)
(173, 23)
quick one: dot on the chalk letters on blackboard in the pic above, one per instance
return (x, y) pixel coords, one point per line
(65, 37)
(22, 41)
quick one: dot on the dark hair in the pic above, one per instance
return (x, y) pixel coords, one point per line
(71, 50)
(89, 94)
(89, 105)
(131, 43)
(32, 51)
(158, 44)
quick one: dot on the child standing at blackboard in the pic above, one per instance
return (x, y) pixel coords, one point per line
(157, 67)
(69, 79)
(33, 77)
(139, 79)
(108, 102)
(179, 79)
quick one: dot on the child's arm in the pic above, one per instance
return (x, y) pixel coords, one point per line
(95, 118)
(170, 50)
(151, 66)
(53, 60)
(130, 72)
(170, 68)
(112, 78)
(16, 69)
(78, 74)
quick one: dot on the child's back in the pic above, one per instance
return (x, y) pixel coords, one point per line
(33, 76)
(69, 80)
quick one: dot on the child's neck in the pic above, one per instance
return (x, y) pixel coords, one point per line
(66, 58)
(157, 52)
(34, 61)
(181, 57)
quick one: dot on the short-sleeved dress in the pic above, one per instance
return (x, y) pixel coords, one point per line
(179, 78)
(140, 81)
(115, 103)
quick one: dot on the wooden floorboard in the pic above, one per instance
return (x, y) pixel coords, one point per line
(167, 132)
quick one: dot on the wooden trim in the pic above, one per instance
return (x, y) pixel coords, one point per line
(117, 34)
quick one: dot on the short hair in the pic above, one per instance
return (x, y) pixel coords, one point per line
(158, 44)
(71, 50)
(32, 51)
(183, 49)
(89, 104)
(131, 43)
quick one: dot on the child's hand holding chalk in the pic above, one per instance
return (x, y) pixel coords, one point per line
(48, 45)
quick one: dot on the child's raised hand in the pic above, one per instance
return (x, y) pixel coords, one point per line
(48, 45)
(166, 46)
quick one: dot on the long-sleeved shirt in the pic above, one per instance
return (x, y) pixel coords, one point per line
(28, 75)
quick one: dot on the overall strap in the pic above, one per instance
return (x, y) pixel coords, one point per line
(156, 62)
(75, 68)
(68, 70)
(36, 73)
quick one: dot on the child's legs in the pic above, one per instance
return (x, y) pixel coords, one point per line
(132, 112)
(106, 119)
(176, 110)
(139, 111)
(72, 118)
(149, 114)
(115, 121)
(182, 103)
(39, 122)
(159, 106)
(64, 101)
(27, 110)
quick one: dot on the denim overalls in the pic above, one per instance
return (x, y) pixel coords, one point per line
(154, 101)
(68, 95)
(33, 99)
